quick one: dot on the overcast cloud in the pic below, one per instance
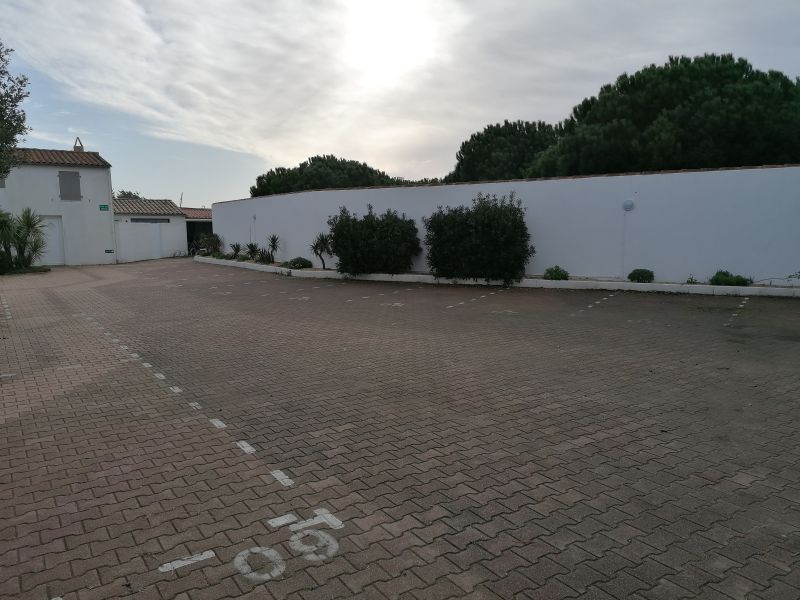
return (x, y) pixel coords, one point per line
(396, 84)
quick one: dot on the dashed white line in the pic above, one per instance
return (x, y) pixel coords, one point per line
(217, 423)
(195, 405)
(282, 478)
(146, 365)
(247, 448)
(175, 389)
(159, 376)
(188, 560)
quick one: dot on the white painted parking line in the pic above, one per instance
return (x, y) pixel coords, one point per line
(175, 389)
(159, 376)
(189, 560)
(146, 365)
(247, 448)
(282, 478)
(6, 375)
(123, 347)
(133, 355)
(195, 405)
(217, 423)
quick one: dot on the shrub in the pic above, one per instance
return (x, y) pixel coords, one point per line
(242, 257)
(320, 246)
(373, 244)
(691, 280)
(556, 273)
(488, 240)
(235, 250)
(728, 278)
(297, 263)
(641, 276)
(273, 243)
(252, 250)
(211, 243)
(263, 256)
(27, 238)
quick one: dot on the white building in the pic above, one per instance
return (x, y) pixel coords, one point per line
(71, 189)
(147, 229)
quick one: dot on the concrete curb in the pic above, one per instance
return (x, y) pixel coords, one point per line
(527, 282)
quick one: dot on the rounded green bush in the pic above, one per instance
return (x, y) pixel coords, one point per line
(641, 276)
(297, 263)
(556, 273)
(727, 278)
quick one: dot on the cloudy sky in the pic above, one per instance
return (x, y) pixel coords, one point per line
(200, 96)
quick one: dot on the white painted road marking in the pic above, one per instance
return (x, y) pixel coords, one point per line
(159, 375)
(283, 520)
(146, 365)
(324, 516)
(175, 389)
(241, 563)
(217, 423)
(182, 562)
(282, 478)
(195, 405)
(248, 449)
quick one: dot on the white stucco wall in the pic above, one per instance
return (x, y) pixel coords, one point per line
(146, 241)
(87, 231)
(746, 221)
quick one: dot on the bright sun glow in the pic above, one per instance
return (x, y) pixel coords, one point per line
(388, 39)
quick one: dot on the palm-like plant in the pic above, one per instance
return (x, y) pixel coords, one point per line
(252, 250)
(236, 249)
(28, 238)
(6, 240)
(321, 245)
(264, 256)
(273, 243)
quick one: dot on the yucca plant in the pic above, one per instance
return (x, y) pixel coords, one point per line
(236, 249)
(263, 256)
(6, 240)
(320, 246)
(252, 250)
(273, 243)
(28, 238)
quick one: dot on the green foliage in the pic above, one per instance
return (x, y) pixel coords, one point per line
(263, 256)
(728, 278)
(27, 238)
(705, 112)
(128, 194)
(641, 276)
(691, 280)
(235, 250)
(6, 241)
(373, 244)
(297, 263)
(13, 91)
(252, 250)
(211, 244)
(501, 151)
(488, 240)
(555, 273)
(273, 243)
(321, 246)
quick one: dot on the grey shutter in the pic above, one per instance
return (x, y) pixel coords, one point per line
(69, 182)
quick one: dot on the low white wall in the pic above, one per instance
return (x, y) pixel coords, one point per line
(147, 241)
(745, 220)
(88, 232)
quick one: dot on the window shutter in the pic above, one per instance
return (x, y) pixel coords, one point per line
(69, 183)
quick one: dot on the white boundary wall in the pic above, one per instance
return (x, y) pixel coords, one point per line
(744, 220)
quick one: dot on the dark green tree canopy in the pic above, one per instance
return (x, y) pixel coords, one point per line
(501, 151)
(13, 90)
(319, 173)
(127, 194)
(705, 112)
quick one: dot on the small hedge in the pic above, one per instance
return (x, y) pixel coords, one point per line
(373, 244)
(728, 278)
(297, 263)
(488, 240)
(556, 273)
(641, 276)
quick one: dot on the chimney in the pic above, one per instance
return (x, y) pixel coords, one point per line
(78, 145)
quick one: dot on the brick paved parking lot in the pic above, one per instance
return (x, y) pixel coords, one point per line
(177, 430)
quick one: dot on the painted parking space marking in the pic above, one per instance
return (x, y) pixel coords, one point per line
(282, 478)
(175, 389)
(146, 365)
(737, 311)
(246, 448)
(241, 562)
(188, 560)
(195, 405)
(282, 520)
(217, 423)
(159, 376)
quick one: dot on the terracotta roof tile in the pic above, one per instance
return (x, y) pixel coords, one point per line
(60, 158)
(145, 206)
(197, 213)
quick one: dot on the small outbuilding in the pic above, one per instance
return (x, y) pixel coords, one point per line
(148, 228)
(198, 223)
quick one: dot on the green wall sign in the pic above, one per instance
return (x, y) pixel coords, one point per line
(104, 207)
